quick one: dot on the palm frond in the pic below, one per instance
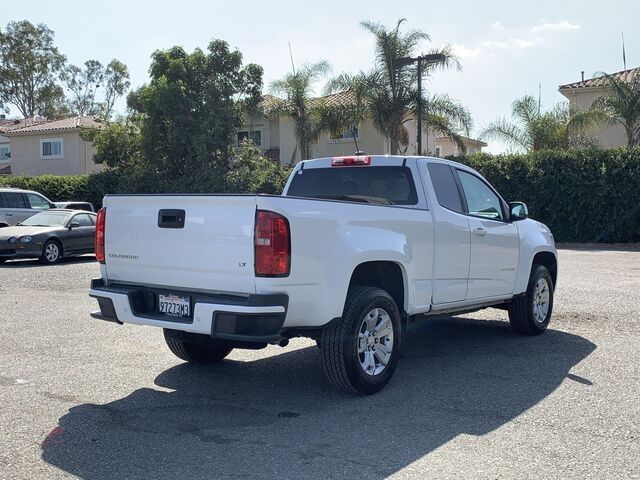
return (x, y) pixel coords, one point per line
(443, 125)
(507, 132)
(453, 111)
(525, 109)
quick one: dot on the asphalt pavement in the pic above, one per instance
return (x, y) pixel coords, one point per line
(470, 399)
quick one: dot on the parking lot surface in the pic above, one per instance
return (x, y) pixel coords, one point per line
(90, 399)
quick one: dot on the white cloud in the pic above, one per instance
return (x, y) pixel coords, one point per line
(465, 52)
(561, 26)
(512, 43)
(497, 25)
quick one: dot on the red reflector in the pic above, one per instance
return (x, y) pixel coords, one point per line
(99, 235)
(272, 246)
(350, 161)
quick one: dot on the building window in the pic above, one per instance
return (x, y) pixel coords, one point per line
(254, 135)
(438, 152)
(51, 148)
(5, 152)
(349, 133)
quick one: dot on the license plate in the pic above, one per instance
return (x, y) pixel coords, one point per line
(174, 305)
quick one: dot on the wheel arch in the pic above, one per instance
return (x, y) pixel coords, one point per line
(388, 275)
(548, 260)
(57, 240)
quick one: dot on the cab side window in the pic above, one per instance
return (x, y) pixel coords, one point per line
(444, 184)
(481, 200)
(15, 200)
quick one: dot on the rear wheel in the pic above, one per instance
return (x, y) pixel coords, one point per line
(51, 252)
(195, 352)
(531, 313)
(360, 351)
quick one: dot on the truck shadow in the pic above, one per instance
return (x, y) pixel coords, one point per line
(277, 417)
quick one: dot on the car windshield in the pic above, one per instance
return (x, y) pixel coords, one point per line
(46, 219)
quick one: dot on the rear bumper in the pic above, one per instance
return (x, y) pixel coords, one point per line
(251, 318)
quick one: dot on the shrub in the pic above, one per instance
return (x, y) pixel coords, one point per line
(253, 173)
(90, 188)
(582, 195)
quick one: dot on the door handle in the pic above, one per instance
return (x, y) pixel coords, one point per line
(481, 232)
(9, 214)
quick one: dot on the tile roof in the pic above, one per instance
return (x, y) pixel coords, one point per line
(333, 99)
(464, 139)
(69, 123)
(624, 76)
(7, 125)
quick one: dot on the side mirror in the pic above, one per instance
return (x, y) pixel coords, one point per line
(73, 225)
(518, 211)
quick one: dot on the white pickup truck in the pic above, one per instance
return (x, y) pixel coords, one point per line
(354, 249)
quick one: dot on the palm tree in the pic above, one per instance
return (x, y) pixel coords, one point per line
(562, 127)
(388, 93)
(621, 105)
(306, 113)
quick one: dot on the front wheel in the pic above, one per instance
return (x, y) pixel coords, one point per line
(195, 352)
(360, 351)
(531, 313)
(51, 252)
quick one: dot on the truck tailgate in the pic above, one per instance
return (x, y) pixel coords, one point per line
(211, 251)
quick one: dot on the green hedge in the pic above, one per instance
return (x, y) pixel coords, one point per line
(90, 188)
(582, 195)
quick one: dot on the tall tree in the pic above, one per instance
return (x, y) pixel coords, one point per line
(388, 93)
(116, 78)
(306, 113)
(83, 85)
(533, 129)
(191, 109)
(29, 67)
(621, 105)
(95, 88)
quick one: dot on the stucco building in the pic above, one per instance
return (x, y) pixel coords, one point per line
(36, 146)
(277, 141)
(583, 93)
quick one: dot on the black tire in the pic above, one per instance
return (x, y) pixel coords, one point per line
(339, 343)
(49, 259)
(521, 311)
(195, 352)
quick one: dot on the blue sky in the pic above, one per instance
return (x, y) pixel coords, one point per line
(507, 48)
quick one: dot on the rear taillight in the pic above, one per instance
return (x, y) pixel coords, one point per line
(99, 238)
(350, 161)
(272, 245)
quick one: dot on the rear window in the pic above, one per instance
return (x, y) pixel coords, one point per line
(379, 185)
(79, 206)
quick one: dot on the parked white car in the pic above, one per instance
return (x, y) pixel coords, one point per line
(354, 249)
(17, 205)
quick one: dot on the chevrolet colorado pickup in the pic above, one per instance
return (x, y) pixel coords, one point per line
(352, 251)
